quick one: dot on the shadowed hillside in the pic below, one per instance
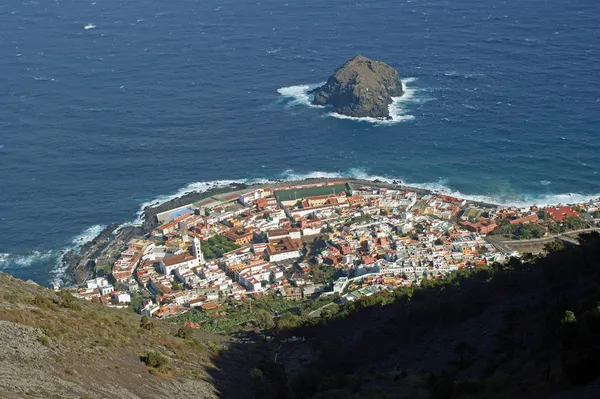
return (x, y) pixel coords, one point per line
(522, 330)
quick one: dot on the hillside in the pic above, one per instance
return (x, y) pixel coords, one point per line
(522, 330)
(55, 346)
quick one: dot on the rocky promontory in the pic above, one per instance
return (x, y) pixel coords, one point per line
(360, 88)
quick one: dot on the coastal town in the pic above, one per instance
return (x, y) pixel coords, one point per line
(340, 240)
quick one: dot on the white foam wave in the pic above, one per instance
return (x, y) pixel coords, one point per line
(89, 26)
(24, 260)
(397, 109)
(455, 74)
(11, 261)
(87, 235)
(299, 94)
(196, 187)
(441, 187)
(398, 112)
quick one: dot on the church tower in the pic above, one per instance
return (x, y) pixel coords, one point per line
(197, 250)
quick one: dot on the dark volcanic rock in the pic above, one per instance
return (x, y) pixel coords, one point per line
(360, 88)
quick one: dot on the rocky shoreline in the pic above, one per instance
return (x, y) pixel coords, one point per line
(106, 247)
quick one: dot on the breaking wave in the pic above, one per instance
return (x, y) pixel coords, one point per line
(398, 110)
(8, 261)
(299, 94)
(88, 235)
(52, 256)
(24, 260)
(441, 186)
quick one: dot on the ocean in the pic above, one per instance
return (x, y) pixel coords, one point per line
(107, 105)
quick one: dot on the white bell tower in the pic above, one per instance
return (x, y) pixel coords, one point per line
(197, 250)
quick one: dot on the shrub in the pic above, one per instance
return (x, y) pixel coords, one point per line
(184, 332)
(154, 359)
(68, 301)
(44, 340)
(146, 324)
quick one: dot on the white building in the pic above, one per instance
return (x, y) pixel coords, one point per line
(149, 308)
(106, 289)
(121, 297)
(96, 283)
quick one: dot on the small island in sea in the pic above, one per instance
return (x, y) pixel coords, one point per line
(360, 88)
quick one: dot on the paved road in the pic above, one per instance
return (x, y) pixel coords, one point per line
(317, 312)
(504, 244)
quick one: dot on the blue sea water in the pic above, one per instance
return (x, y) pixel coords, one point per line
(108, 104)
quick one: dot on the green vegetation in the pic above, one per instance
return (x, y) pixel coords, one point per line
(216, 246)
(299, 193)
(543, 332)
(184, 332)
(263, 313)
(360, 219)
(325, 274)
(44, 340)
(554, 246)
(520, 231)
(102, 270)
(147, 324)
(569, 223)
(155, 360)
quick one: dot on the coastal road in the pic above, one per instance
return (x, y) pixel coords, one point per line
(504, 245)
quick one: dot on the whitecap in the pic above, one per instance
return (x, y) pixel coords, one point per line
(8, 260)
(545, 182)
(441, 186)
(398, 112)
(89, 26)
(300, 95)
(87, 235)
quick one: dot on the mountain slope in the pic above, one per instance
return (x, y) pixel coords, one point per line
(56, 346)
(522, 330)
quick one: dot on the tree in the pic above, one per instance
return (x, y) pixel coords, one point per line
(264, 319)
(184, 332)
(288, 321)
(554, 246)
(146, 323)
(568, 317)
(155, 360)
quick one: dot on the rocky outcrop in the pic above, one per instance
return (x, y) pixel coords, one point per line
(360, 88)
